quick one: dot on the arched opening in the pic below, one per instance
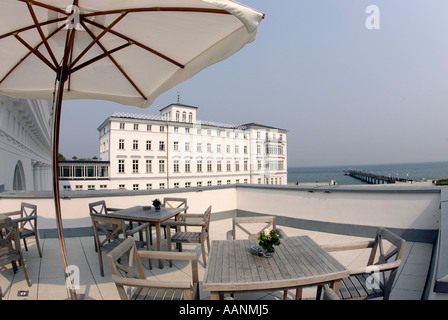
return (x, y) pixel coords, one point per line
(19, 177)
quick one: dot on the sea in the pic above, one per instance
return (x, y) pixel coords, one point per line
(426, 171)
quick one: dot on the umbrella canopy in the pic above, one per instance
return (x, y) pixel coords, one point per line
(127, 51)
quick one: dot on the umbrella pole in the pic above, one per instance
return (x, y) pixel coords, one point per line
(57, 201)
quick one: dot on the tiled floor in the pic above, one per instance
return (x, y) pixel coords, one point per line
(48, 279)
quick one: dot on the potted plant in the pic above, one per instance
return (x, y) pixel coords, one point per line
(268, 239)
(156, 203)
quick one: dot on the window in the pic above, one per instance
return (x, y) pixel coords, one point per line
(187, 146)
(245, 165)
(176, 146)
(259, 164)
(198, 147)
(135, 145)
(228, 165)
(161, 166)
(121, 144)
(237, 166)
(176, 166)
(91, 187)
(199, 166)
(176, 129)
(190, 117)
(187, 184)
(78, 187)
(176, 184)
(228, 148)
(199, 184)
(258, 149)
(121, 125)
(209, 183)
(148, 127)
(121, 186)
(187, 165)
(209, 147)
(218, 166)
(162, 128)
(149, 186)
(120, 166)
(136, 126)
(218, 148)
(161, 145)
(219, 182)
(162, 185)
(103, 186)
(245, 149)
(184, 116)
(148, 145)
(228, 181)
(209, 165)
(148, 166)
(177, 115)
(237, 150)
(187, 130)
(135, 186)
(135, 166)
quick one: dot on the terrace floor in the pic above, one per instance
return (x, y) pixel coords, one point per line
(48, 279)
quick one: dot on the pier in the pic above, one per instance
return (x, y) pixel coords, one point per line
(372, 178)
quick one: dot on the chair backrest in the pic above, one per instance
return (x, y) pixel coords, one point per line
(28, 210)
(386, 239)
(206, 219)
(242, 223)
(9, 241)
(126, 270)
(112, 235)
(383, 238)
(169, 202)
(98, 207)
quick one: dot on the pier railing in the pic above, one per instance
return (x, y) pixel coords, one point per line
(373, 178)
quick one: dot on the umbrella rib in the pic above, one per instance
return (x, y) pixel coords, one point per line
(160, 9)
(137, 43)
(39, 30)
(96, 39)
(43, 5)
(99, 57)
(114, 61)
(29, 53)
(36, 52)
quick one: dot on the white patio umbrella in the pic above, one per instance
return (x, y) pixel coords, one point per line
(127, 51)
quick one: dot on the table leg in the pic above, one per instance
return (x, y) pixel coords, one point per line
(159, 242)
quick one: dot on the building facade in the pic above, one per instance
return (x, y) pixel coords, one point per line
(175, 150)
(25, 144)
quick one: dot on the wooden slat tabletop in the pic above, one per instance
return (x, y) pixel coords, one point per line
(298, 261)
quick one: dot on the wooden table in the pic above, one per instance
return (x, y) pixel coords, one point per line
(141, 214)
(297, 262)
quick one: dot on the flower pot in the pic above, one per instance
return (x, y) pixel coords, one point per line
(157, 209)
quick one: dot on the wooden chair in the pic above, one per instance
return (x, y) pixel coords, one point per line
(377, 278)
(169, 202)
(10, 250)
(112, 237)
(241, 223)
(192, 237)
(99, 207)
(131, 281)
(27, 224)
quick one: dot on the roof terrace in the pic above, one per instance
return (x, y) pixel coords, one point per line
(327, 214)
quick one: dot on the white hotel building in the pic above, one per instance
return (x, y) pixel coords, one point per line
(175, 150)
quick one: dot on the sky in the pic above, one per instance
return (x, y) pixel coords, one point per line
(351, 87)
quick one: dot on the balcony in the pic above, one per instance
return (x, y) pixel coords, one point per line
(327, 214)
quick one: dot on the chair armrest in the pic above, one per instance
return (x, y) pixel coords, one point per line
(192, 215)
(139, 228)
(348, 246)
(183, 223)
(11, 213)
(113, 209)
(229, 235)
(28, 218)
(377, 267)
